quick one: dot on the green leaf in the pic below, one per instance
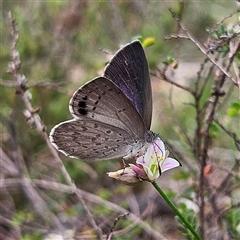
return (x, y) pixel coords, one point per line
(181, 175)
(170, 193)
(233, 220)
(214, 130)
(221, 30)
(171, 61)
(234, 109)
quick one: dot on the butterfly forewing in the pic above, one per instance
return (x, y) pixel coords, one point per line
(129, 71)
(103, 101)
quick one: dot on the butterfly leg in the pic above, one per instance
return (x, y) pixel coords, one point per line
(124, 163)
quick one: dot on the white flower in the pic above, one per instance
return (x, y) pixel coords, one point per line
(149, 166)
(156, 161)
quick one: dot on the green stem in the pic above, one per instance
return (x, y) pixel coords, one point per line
(187, 224)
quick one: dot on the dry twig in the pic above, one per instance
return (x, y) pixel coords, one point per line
(14, 69)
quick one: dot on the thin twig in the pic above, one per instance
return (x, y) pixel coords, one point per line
(231, 134)
(202, 49)
(227, 209)
(202, 144)
(39, 205)
(164, 77)
(14, 68)
(110, 234)
(228, 16)
(90, 197)
(42, 84)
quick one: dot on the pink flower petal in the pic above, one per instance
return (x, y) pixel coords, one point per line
(169, 163)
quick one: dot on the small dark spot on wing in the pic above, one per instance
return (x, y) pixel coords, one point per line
(121, 110)
(82, 111)
(84, 129)
(82, 104)
(82, 107)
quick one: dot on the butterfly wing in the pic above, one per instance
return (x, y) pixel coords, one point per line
(129, 71)
(101, 100)
(91, 140)
(106, 125)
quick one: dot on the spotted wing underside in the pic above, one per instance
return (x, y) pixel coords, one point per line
(91, 140)
(106, 125)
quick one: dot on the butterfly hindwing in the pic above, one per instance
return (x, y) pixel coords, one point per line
(91, 140)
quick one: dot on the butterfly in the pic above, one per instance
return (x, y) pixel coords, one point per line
(112, 113)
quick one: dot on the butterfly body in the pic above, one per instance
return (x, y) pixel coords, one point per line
(111, 114)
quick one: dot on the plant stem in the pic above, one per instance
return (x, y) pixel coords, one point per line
(174, 208)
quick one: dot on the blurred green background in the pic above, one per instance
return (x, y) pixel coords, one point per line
(69, 42)
(63, 42)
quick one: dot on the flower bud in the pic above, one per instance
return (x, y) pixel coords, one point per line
(126, 175)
